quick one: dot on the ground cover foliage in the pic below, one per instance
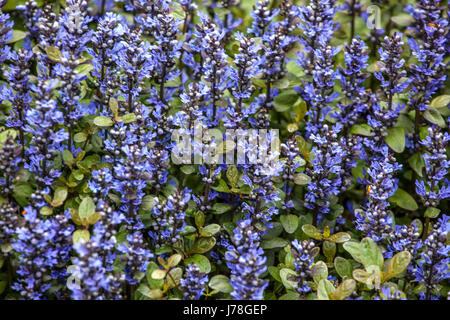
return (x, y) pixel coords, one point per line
(92, 205)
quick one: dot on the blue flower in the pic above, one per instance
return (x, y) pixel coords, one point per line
(246, 261)
(303, 254)
(193, 282)
(43, 246)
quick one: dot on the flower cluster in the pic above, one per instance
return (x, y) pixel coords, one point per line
(375, 219)
(190, 149)
(94, 273)
(303, 254)
(436, 168)
(194, 282)
(44, 247)
(247, 263)
(433, 266)
(169, 218)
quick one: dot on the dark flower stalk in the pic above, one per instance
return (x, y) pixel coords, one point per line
(43, 246)
(105, 51)
(93, 274)
(246, 261)
(18, 92)
(169, 218)
(72, 39)
(303, 254)
(215, 66)
(193, 282)
(433, 267)
(318, 27)
(262, 16)
(46, 142)
(375, 220)
(428, 74)
(241, 87)
(6, 34)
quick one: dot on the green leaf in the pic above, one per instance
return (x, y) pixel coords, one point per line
(275, 273)
(22, 192)
(361, 130)
(5, 248)
(352, 247)
(46, 211)
(369, 278)
(94, 218)
(396, 265)
(59, 197)
(344, 290)
(233, 176)
(114, 106)
(203, 245)
(129, 117)
(67, 157)
(319, 271)
(434, 116)
(403, 19)
(212, 228)
(219, 208)
(312, 231)
(222, 187)
(416, 163)
(220, 283)
(301, 179)
(53, 54)
(404, 200)
(292, 127)
(289, 222)
(300, 161)
(432, 212)
(282, 83)
(440, 102)
(329, 250)
(154, 294)
(143, 292)
(284, 101)
(83, 69)
(17, 36)
(343, 267)
(199, 219)
(288, 284)
(396, 139)
(324, 290)
(339, 237)
(187, 169)
(300, 110)
(370, 253)
(201, 261)
(174, 260)
(159, 274)
(153, 283)
(175, 276)
(7, 133)
(102, 121)
(290, 296)
(80, 236)
(80, 137)
(148, 202)
(86, 208)
(274, 243)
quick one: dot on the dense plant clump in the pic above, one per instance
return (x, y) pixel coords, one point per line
(352, 205)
